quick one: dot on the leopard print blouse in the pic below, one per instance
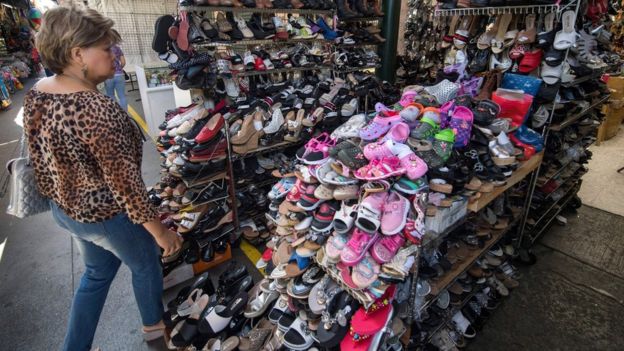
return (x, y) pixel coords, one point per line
(87, 155)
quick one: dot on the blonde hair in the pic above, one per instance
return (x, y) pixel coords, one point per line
(67, 27)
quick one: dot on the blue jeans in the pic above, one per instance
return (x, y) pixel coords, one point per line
(118, 84)
(103, 247)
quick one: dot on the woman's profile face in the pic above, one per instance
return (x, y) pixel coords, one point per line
(100, 61)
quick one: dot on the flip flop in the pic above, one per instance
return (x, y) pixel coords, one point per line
(546, 38)
(447, 39)
(216, 318)
(182, 37)
(497, 43)
(566, 37)
(460, 38)
(527, 36)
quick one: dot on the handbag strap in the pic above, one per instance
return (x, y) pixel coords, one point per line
(18, 151)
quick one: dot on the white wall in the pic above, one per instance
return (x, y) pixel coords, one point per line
(134, 20)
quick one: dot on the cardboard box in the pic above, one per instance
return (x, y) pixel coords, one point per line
(616, 84)
(611, 124)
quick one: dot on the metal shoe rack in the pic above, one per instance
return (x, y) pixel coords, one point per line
(528, 169)
(529, 233)
(198, 96)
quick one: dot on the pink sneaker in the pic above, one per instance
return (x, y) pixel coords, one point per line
(378, 150)
(370, 212)
(335, 244)
(383, 250)
(380, 125)
(357, 246)
(394, 215)
(414, 166)
(398, 133)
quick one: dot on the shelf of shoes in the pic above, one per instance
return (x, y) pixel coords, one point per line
(451, 312)
(553, 205)
(515, 10)
(575, 175)
(525, 168)
(275, 147)
(280, 70)
(541, 182)
(256, 42)
(568, 121)
(449, 277)
(355, 69)
(361, 19)
(255, 10)
(563, 202)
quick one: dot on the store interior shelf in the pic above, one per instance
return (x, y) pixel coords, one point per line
(450, 276)
(452, 311)
(191, 183)
(576, 117)
(565, 199)
(545, 213)
(265, 149)
(519, 174)
(255, 10)
(362, 19)
(541, 183)
(280, 70)
(515, 10)
(355, 69)
(269, 42)
(432, 238)
(575, 176)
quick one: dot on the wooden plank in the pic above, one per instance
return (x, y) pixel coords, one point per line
(520, 173)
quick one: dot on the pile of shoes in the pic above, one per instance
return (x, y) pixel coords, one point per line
(199, 313)
(294, 110)
(353, 9)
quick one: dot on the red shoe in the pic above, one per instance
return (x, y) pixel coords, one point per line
(259, 64)
(527, 150)
(211, 129)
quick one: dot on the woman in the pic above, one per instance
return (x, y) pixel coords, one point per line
(118, 82)
(87, 159)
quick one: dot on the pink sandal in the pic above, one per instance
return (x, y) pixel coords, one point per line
(380, 125)
(385, 249)
(398, 132)
(381, 169)
(407, 98)
(414, 166)
(378, 150)
(357, 246)
(365, 273)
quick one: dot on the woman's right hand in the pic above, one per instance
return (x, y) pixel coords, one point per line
(169, 241)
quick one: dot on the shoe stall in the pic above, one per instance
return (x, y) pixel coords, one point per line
(388, 216)
(18, 57)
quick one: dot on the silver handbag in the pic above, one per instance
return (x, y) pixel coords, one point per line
(25, 199)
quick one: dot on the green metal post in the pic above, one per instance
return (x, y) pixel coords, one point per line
(390, 31)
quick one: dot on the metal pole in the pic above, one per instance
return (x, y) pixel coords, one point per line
(390, 31)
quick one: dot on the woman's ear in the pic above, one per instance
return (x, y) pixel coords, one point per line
(77, 55)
